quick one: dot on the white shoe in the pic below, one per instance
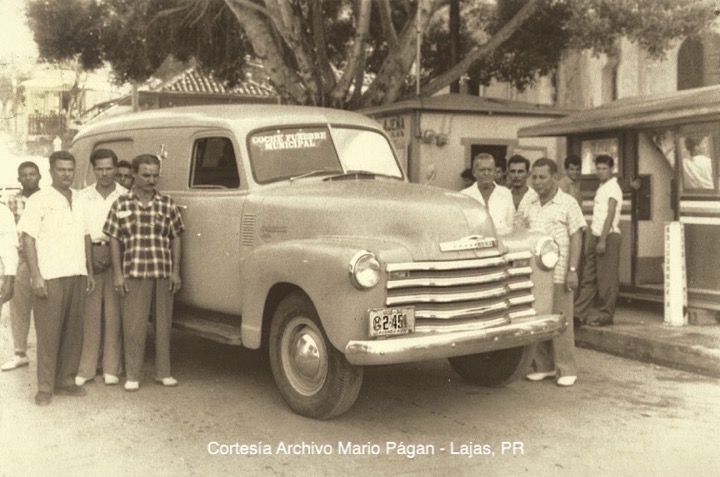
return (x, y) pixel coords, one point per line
(111, 379)
(131, 386)
(80, 381)
(168, 382)
(540, 376)
(566, 381)
(15, 362)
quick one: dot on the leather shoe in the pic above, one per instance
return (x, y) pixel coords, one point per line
(15, 362)
(111, 379)
(132, 386)
(168, 382)
(43, 399)
(80, 381)
(72, 390)
(566, 381)
(540, 376)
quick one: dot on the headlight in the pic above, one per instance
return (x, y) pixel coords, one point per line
(548, 254)
(364, 270)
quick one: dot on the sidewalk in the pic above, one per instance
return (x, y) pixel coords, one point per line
(639, 333)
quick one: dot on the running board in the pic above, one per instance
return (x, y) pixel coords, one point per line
(213, 326)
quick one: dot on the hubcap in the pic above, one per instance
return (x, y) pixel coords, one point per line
(304, 356)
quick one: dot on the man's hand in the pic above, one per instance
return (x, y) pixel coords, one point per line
(39, 287)
(6, 291)
(600, 247)
(90, 287)
(119, 285)
(175, 282)
(571, 280)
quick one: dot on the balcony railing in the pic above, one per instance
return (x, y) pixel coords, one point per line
(47, 125)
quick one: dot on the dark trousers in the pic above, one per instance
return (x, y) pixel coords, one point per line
(59, 328)
(142, 294)
(600, 281)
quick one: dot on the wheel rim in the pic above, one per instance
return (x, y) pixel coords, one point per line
(304, 356)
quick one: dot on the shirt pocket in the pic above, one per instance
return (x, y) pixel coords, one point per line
(161, 224)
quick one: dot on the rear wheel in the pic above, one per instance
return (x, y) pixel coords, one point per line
(495, 368)
(313, 377)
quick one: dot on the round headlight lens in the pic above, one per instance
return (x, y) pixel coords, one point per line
(548, 254)
(364, 269)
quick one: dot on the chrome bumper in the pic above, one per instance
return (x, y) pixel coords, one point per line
(421, 347)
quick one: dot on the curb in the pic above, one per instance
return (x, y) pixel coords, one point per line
(665, 347)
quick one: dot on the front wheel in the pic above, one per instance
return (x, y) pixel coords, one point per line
(313, 377)
(495, 368)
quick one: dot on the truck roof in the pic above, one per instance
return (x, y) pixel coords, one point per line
(244, 116)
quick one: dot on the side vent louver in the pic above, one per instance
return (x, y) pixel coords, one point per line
(249, 224)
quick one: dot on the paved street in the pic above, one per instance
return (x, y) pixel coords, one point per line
(622, 418)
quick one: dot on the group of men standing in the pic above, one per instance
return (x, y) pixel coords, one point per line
(90, 264)
(554, 206)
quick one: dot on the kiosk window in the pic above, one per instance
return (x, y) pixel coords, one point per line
(699, 160)
(214, 164)
(591, 148)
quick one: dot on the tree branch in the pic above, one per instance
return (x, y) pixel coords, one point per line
(356, 60)
(269, 50)
(386, 21)
(325, 74)
(486, 49)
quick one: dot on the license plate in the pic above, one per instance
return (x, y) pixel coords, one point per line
(391, 321)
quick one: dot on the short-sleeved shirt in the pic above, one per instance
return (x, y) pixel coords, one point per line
(8, 243)
(500, 206)
(560, 217)
(96, 210)
(145, 233)
(59, 232)
(608, 190)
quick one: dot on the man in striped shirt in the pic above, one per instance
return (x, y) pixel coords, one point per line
(557, 214)
(144, 227)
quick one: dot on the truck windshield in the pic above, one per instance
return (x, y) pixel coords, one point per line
(286, 153)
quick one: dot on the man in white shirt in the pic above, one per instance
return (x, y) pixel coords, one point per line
(496, 199)
(555, 213)
(8, 254)
(102, 305)
(595, 304)
(53, 228)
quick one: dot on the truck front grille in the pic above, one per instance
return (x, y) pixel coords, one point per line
(458, 295)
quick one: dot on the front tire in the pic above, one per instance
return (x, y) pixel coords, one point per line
(495, 368)
(313, 377)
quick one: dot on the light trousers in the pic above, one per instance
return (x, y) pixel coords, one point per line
(559, 353)
(142, 294)
(102, 328)
(21, 308)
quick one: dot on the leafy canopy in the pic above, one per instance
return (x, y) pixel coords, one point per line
(352, 53)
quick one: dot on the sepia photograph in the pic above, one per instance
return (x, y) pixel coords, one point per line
(359, 237)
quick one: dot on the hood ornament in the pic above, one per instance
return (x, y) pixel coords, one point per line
(471, 242)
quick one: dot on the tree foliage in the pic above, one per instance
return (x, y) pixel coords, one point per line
(352, 53)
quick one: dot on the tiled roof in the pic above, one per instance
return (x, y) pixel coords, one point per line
(197, 81)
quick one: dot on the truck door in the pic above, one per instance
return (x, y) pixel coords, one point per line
(212, 210)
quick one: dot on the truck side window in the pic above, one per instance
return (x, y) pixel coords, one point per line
(214, 164)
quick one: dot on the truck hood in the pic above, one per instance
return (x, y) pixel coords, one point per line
(388, 214)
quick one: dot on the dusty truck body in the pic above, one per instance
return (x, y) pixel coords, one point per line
(304, 236)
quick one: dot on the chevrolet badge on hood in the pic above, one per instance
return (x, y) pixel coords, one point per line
(471, 242)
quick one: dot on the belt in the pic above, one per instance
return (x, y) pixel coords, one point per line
(101, 243)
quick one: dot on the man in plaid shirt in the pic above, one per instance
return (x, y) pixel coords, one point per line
(21, 303)
(557, 214)
(144, 227)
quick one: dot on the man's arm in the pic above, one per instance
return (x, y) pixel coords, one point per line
(39, 286)
(176, 248)
(89, 265)
(571, 277)
(118, 277)
(602, 242)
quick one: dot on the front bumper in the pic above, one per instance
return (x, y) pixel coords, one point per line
(421, 347)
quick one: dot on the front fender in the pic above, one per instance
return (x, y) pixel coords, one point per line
(320, 268)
